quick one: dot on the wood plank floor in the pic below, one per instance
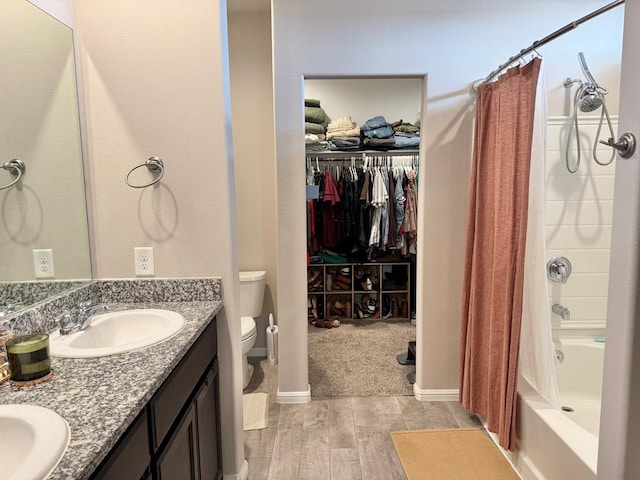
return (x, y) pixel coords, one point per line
(338, 438)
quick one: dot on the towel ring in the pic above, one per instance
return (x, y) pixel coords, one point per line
(16, 167)
(153, 164)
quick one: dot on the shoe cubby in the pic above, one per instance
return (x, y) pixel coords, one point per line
(340, 305)
(395, 277)
(359, 291)
(315, 279)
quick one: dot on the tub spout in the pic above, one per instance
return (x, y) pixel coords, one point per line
(562, 311)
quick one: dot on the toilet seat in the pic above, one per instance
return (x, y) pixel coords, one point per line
(247, 327)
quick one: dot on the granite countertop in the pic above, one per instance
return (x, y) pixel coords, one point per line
(100, 397)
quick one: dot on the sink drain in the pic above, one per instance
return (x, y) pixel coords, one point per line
(566, 409)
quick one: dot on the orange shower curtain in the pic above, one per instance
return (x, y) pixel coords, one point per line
(496, 235)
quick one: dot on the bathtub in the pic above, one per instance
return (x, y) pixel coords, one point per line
(553, 444)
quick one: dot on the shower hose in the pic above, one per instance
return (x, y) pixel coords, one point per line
(573, 126)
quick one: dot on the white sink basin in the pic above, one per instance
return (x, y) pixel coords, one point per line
(117, 332)
(32, 441)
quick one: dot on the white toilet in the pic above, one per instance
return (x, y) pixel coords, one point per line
(251, 300)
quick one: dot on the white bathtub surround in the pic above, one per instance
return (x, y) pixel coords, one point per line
(580, 381)
(536, 357)
(553, 444)
(579, 213)
(550, 446)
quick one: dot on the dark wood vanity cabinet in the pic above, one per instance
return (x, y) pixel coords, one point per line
(192, 450)
(180, 425)
(179, 458)
(208, 420)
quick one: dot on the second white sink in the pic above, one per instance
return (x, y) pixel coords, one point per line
(118, 332)
(32, 441)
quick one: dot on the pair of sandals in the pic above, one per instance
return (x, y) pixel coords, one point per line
(341, 282)
(326, 323)
(338, 308)
(314, 280)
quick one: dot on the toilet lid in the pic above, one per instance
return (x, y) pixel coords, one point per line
(247, 327)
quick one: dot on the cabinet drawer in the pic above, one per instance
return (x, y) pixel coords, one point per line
(172, 396)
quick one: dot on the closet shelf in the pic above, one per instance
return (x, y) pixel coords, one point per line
(360, 153)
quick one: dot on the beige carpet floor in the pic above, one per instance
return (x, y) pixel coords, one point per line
(359, 358)
(451, 454)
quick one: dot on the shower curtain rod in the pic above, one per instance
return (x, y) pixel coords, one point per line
(547, 39)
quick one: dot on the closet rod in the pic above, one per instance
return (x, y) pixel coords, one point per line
(361, 153)
(552, 36)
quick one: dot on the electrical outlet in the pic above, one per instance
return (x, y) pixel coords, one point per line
(43, 263)
(143, 258)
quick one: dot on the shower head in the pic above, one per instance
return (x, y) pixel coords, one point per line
(590, 94)
(585, 70)
(589, 99)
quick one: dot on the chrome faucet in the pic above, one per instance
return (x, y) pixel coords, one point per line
(81, 317)
(562, 311)
(559, 269)
(9, 308)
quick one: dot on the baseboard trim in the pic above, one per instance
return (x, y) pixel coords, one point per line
(435, 395)
(294, 397)
(243, 474)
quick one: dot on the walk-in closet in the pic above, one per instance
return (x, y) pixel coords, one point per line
(362, 140)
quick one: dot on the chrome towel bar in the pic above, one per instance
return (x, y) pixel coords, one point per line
(154, 164)
(16, 167)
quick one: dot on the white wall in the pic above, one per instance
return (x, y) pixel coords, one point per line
(364, 98)
(60, 9)
(155, 82)
(455, 43)
(253, 153)
(619, 436)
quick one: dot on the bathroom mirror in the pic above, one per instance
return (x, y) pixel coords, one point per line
(39, 124)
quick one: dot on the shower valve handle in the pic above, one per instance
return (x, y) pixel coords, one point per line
(626, 144)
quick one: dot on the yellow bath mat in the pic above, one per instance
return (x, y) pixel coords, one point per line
(465, 453)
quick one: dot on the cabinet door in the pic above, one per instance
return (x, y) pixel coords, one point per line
(130, 457)
(208, 417)
(179, 458)
(180, 387)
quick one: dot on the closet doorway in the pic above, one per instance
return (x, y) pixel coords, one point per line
(362, 160)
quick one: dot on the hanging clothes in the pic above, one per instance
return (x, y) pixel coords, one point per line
(362, 210)
(410, 224)
(379, 200)
(393, 228)
(333, 213)
(400, 201)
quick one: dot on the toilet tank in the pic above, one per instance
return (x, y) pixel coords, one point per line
(252, 293)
